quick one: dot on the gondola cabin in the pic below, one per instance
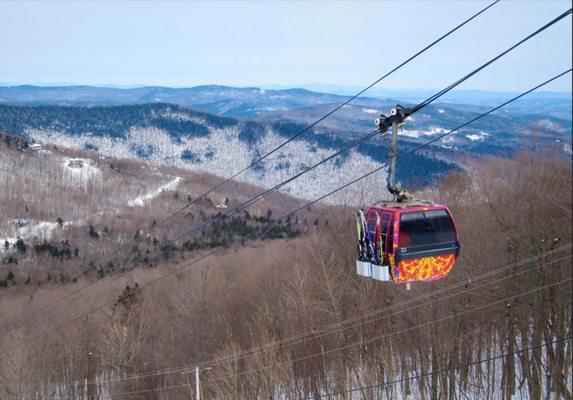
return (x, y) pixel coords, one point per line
(406, 241)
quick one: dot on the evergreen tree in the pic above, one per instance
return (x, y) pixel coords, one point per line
(93, 232)
(21, 245)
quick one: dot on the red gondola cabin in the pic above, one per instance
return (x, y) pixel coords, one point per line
(407, 241)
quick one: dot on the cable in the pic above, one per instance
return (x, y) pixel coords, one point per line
(415, 109)
(432, 141)
(457, 128)
(547, 25)
(442, 136)
(440, 371)
(343, 325)
(228, 213)
(320, 198)
(408, 309)
(181, 386)
(504, 300)
(306, 129)
(411, 328)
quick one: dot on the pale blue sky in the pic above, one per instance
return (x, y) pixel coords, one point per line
(278, 43)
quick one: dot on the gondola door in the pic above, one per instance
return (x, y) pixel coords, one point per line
(374, 225)
(379, 227)
(384, 239)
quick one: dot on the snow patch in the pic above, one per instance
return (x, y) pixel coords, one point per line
(370, 111)
(548, 124)
(25, 229)
(181, 116)
(80, 168)
(177, 116)
(440, 110)
(477, 137)
(435, 131)
(412, 134)
(11, 243)
(143, 199)
(420, 133)
(43, 229)
(447, 142)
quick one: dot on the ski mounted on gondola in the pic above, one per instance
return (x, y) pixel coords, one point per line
(404, 240)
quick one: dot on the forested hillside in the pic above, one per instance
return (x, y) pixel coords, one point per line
(289, 318)
(173, 135)
(62, 211)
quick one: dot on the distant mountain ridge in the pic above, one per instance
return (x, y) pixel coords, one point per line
(555, 104)
(254, 101)
(224, 100)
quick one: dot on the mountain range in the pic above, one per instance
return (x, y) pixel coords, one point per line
(249, 101)
(221, 130)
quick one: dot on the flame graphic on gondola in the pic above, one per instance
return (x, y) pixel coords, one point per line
(424, 269)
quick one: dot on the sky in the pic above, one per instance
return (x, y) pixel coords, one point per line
(280, 43)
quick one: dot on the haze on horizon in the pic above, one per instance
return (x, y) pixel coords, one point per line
(283, 44)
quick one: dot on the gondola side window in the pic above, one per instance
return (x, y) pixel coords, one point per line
(372, 220)
(384, 231)
(390, 239)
